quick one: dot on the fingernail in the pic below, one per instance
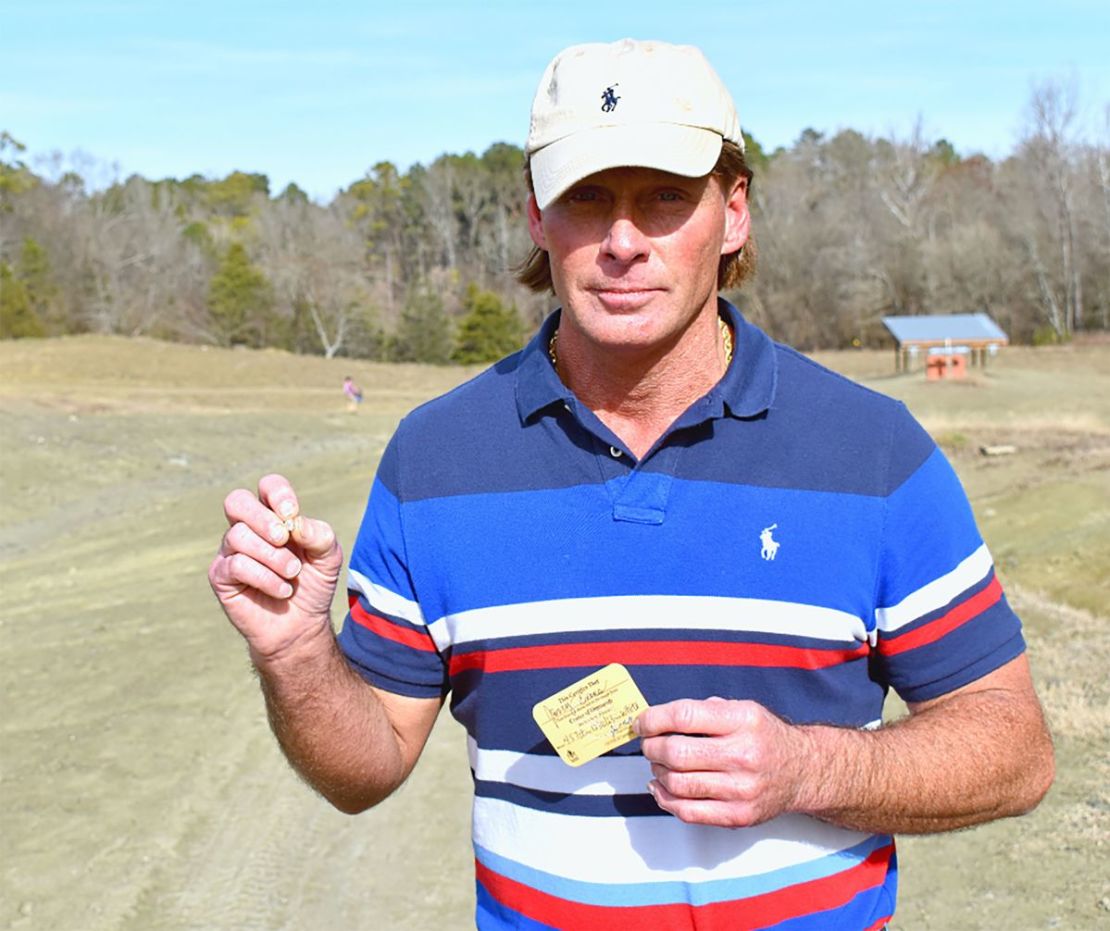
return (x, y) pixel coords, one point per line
(285, 591)
(277, 533)
(651, 788)
(286, 509)
(293, 567)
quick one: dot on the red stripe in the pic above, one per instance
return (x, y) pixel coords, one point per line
(651, 653)
(417, 639)
(934, 630)
(757, 911)
(878, 925)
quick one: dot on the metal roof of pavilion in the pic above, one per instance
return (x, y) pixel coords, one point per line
(936, 328)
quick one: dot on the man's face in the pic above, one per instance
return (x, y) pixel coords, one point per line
(634, 252)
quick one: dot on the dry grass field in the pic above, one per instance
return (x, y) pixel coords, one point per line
(140, 789)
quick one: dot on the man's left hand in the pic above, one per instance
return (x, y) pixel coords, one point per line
(727, 763)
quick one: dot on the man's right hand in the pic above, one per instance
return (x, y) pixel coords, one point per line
(275, 585)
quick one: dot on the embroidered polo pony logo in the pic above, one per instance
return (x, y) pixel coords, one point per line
(609, 99)
(769, 544)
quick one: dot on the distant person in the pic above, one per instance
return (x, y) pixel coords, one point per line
(767, 548)
(353, 394)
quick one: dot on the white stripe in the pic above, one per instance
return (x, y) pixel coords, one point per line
(607, 775)
(637, 850)
(384, 600)
(937, 593)
(648, 612)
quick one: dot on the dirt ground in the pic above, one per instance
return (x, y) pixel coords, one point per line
(140, 789)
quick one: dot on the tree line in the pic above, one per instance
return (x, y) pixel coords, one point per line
(418, 265)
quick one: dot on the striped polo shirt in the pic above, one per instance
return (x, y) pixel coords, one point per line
(793, 539)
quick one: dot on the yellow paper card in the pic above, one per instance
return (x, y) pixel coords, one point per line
(591, 716)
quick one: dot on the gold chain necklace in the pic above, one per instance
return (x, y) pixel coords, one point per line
(726, 337)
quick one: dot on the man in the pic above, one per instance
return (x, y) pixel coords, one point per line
(766, 547)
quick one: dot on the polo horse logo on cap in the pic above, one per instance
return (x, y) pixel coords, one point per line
(609, 99)
(770, 546)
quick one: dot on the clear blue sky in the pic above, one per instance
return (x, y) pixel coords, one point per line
(318, 92)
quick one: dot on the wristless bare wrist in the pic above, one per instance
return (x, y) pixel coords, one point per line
(308, 647)
(823, 785)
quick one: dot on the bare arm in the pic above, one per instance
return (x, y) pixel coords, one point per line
(353, 743)
(979, 753)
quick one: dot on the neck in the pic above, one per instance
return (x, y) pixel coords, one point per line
(638, 392)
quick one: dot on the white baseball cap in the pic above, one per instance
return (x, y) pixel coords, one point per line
(628, 103)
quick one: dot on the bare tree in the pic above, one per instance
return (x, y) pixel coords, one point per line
(1048, 149)
(315, 259)
(436, 187)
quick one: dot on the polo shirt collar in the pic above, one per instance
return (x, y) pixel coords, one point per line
(537, 383)
(746, 390)
(748, 387)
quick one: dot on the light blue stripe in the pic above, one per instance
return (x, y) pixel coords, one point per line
(674, 892)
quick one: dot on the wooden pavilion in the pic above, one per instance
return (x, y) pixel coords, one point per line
(945, 343)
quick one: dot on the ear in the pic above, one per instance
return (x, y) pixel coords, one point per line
(535, 223)
(738, 220)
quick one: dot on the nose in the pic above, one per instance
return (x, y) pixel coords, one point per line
(624, 241)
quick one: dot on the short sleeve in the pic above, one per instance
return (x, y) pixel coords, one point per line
(384, 635)
(942, 619)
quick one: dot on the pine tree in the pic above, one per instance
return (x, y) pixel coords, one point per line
(38, 279)
(488, 331)
(17, 316)
(15, 176)
(240, 300)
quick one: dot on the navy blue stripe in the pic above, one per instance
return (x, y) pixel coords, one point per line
(392, 666)
(502, 720)
(856, 441)
(387, 682)
(560, 450)
(984, 643)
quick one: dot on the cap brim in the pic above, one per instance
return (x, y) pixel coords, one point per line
(681, 150)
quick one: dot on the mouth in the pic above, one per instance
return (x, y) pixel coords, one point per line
(624, 298)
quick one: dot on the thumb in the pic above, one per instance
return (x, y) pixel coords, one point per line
(316, 539)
